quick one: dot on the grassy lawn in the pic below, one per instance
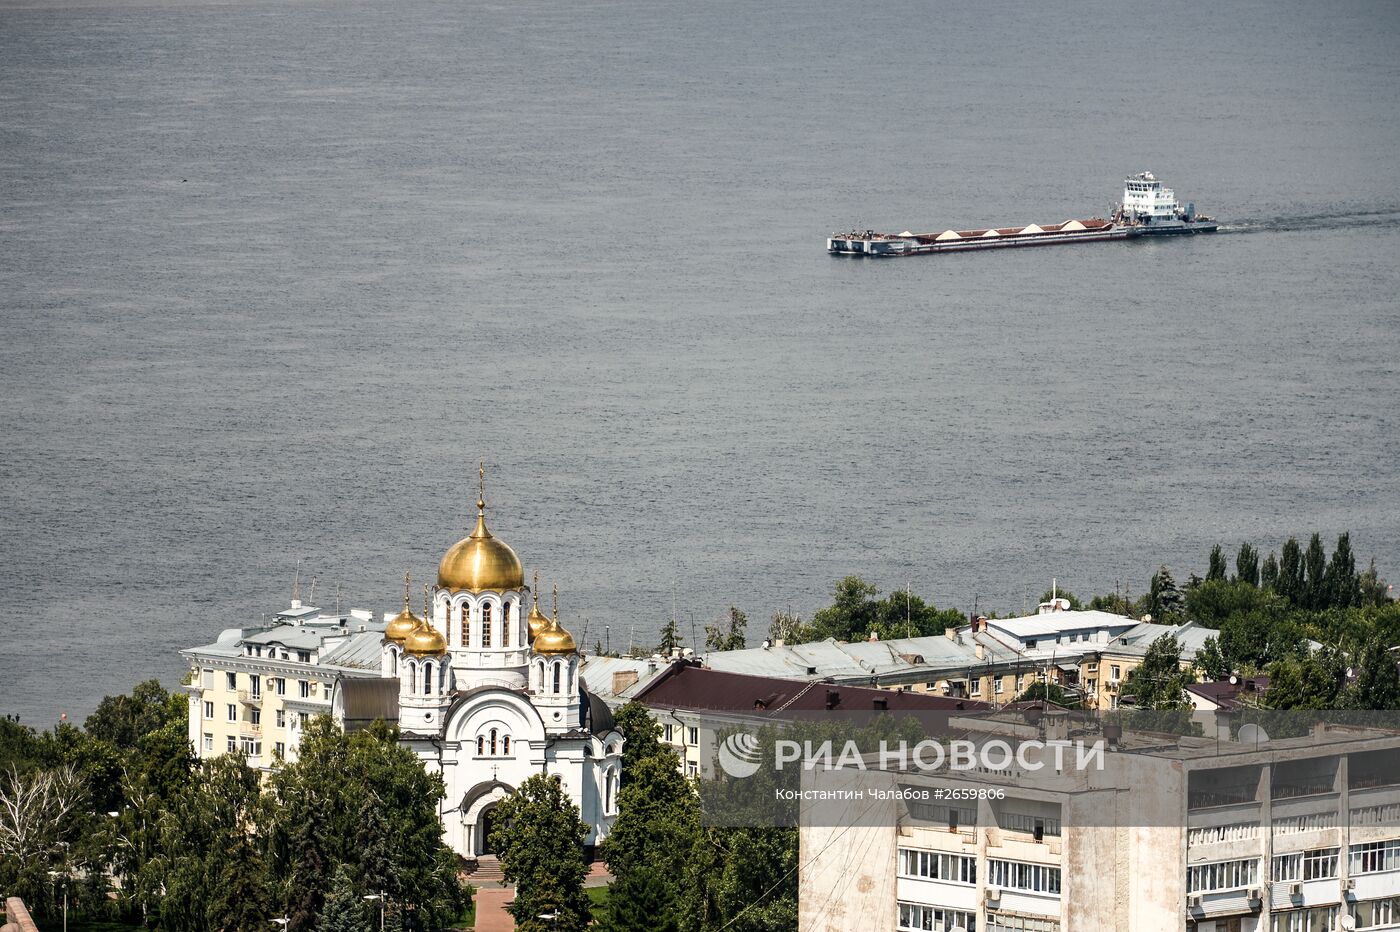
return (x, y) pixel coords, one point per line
(598, 896)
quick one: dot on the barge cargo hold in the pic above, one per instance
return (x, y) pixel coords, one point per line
(870, 243)
(1147, 209)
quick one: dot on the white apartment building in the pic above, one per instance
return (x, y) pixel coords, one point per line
(1292, 835)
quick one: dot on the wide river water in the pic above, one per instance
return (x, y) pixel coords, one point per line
(274, 275)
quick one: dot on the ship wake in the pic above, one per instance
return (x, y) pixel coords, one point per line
(1332, 220)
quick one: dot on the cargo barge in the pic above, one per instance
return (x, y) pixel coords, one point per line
(1147, 209)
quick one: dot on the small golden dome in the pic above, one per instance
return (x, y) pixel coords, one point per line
(480, 561)
(425, 639)
(537, 619)
(402, 625)
(554, 639)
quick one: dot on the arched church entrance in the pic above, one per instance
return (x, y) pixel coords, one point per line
(483, 833)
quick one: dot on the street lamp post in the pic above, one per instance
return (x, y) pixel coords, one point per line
(380, 896)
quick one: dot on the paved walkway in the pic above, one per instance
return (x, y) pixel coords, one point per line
(491, 900)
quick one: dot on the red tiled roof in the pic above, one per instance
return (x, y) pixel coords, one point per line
(686, 686)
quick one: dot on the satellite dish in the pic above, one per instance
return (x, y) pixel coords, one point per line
(1348, 922)
(1234, 680)
(1252, 734)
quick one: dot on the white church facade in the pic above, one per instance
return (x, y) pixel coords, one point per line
(484, 687)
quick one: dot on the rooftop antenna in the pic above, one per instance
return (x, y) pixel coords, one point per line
(312, 596)
(296, 584)
(694, 642)
(630, 636)
(337, 597)
(908, 609)
(427, 605)
(1054, 589)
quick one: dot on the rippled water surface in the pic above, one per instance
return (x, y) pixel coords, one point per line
(275, 275)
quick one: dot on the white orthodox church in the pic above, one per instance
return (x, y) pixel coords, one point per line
(488, 695)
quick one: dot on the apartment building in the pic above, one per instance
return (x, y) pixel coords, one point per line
(254, 689)
(1244, 834)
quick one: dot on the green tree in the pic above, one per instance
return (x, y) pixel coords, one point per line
(730, 636)
(321, 821)
(1217, 568)
(123, 721)
(1292, 581)
(1269, 572)
(1313, 681)
(539, 838)
(1315, 568)
(1058, 593)
(641, 901)
(1342, 585)
(1374, 590)
(344, 910)
(1050, 692)
(1163, 600)
(1377, 683)
(671, 640)
(852, 614)
(1211, 662)
(239, 902)
(1159, 683)
(641, 736)
(1247, 564)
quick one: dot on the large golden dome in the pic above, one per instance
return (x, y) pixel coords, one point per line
(425, 639)
(480, 561)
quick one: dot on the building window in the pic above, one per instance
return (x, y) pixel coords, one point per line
(232, 744)
(1013, 922)
(480, 746)
(465, 627)
(1018, 875)
(281, 749)
(1375, 856)
(304, 689)
(1223, 875)
(493, 742)
(1091, 686)
(1093, 668)
(693, 736)
(252, 747)
(208, 741)
(1320, 864)
(301, 719)
(255, 686)
(558, 668)
(281, 718)
(933, 865)
(485, 624)
(209, 710)
(1001, 685)
(1317, 919)
(1377, 914)
(281, 685)
(232, 712)
(670, 734)
(505, 625)
(255, 716)
(505, 745)
(304, 656)
(427, 679)
(1115, 672)
(232, 680)
(610, 795)
(919, 917)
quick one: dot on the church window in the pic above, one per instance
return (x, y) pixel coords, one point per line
(505, 744)
(427, 679)
(493, 742)
(505, 625)
(485, 624)
(466, 626)
(480, 746)
(557, 671)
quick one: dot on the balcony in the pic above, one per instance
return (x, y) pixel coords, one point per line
(253, 700)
